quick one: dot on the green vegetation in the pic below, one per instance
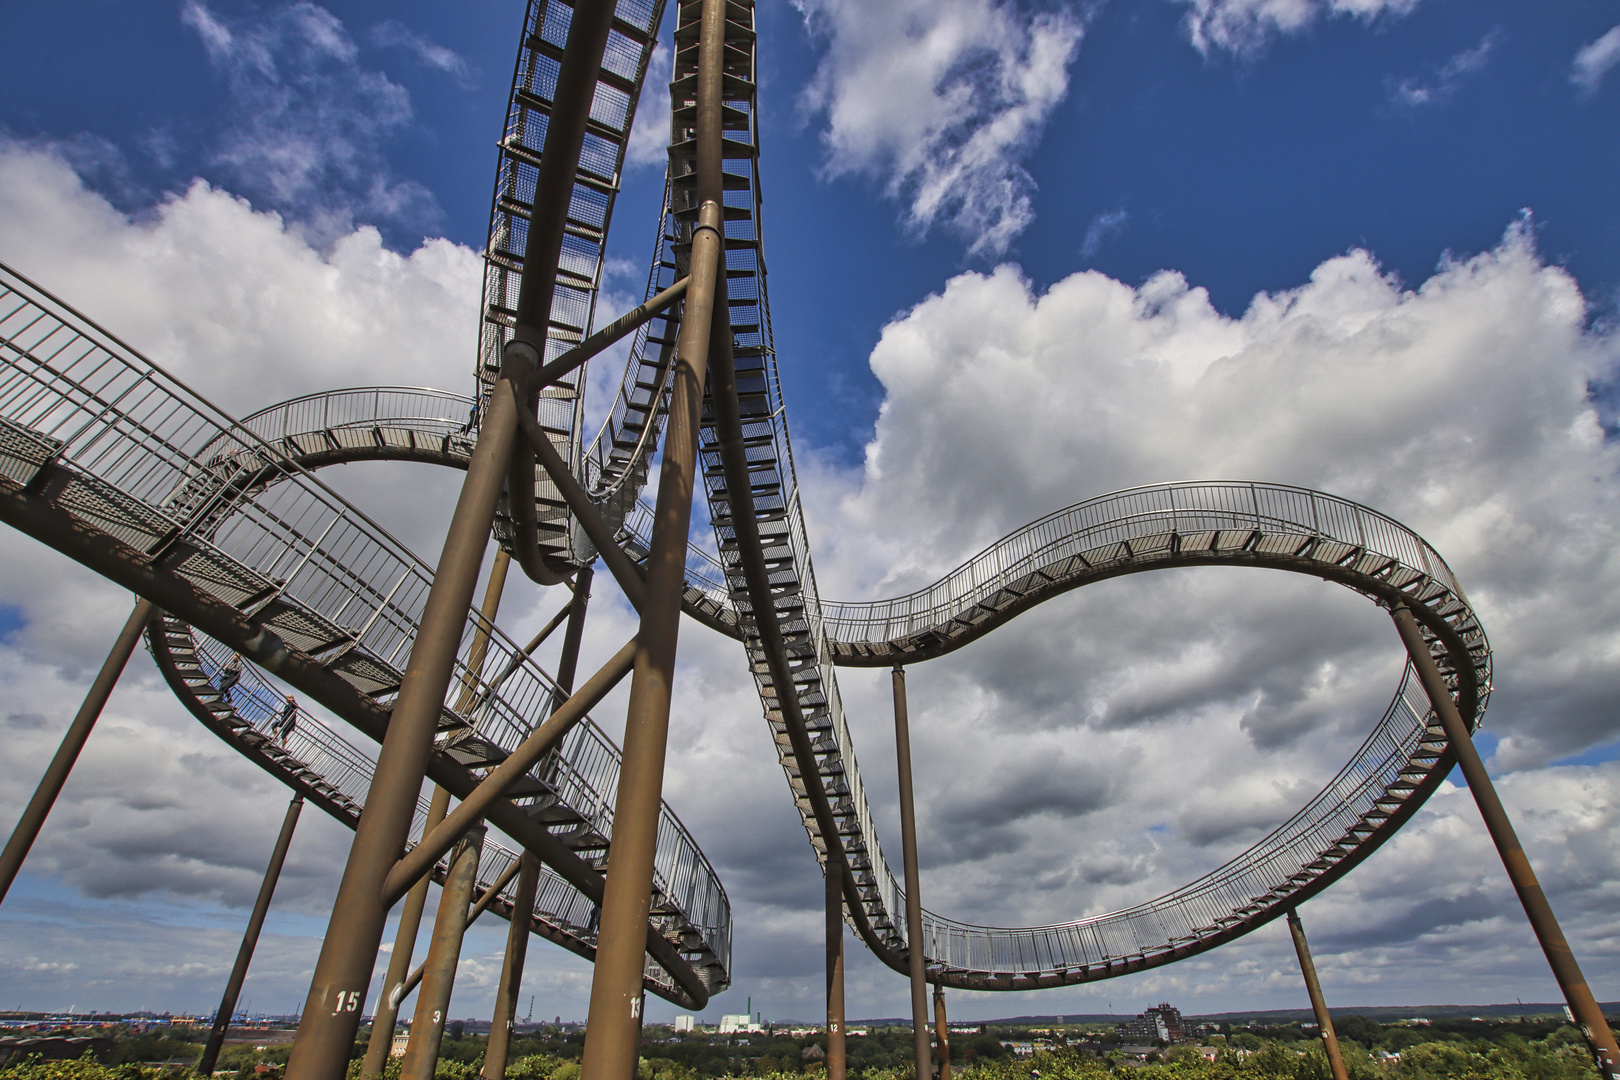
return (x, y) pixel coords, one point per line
(1444, 1050)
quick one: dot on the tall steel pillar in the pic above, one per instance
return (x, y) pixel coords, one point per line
(250, 939)
(835, 972)
(331, 1012)
(394, 988)
(56, 773)
(1542, 920)
(517, 950)
(386, 1015)
(942, 1034)
(1313, 987)
(517, 936)
(613, 1029)
(916, 961)
(439, 978)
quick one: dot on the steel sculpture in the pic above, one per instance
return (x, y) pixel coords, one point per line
(225, 529)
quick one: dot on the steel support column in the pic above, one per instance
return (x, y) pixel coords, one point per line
(386, 1015)
(1542, 920)
(439, 978)
(494, 890)
(942, 1034)
(612, 1034)
(250, 939)
(517, 937)
(517, 951)
(916, 961)
(332, 1010)
(835, 972)
(1324, 1020)
(56, 773)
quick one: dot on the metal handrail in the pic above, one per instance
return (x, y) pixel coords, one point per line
(317, 747)
(358, 591)
(1085, 526)
(1199, 912)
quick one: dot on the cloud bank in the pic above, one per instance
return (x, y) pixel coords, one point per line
(1108, 746)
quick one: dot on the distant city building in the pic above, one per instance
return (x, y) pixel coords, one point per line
(738, 1024)
(685, 1023)
(397, 1047)
(1160, 1022)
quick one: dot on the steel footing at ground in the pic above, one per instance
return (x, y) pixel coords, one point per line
(1582, 1005)
(250, 940)
(258, 578)
(1313, 988)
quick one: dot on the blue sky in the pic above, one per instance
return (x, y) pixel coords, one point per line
(1020, 279)
(1412, 135)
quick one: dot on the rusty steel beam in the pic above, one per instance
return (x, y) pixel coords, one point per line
(517, 951)
(332, 1010)
(489, 896)
(517, 937)
(84, 721)
(394, 990)
(1313, 987)
(942, 1033)
(420, 859)
(484, 628)
(836, 1057)
(439, 978)
(612, 1033)
(916, 962)
(613, 1027)
(1540, 913)
(250, 939)
(39, 517)
(585, 512)
(528, 650)
(608, 335)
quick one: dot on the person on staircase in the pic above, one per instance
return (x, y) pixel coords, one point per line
(289, 719)
(229, 675)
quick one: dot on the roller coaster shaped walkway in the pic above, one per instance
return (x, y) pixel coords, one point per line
(225, 527)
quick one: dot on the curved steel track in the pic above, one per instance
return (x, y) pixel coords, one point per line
(1394, 771)
(111, 460)
(109, 451)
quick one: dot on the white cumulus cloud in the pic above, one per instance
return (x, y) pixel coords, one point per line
(941, 102)
(1108, 746)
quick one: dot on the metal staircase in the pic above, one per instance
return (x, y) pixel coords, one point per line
(579, 272)
(134, 473)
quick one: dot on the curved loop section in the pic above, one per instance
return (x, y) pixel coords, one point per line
(1214, 523)
(1182, 524)
(144, 468)
(310, 757)
(408, 423)
(1395, 770)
